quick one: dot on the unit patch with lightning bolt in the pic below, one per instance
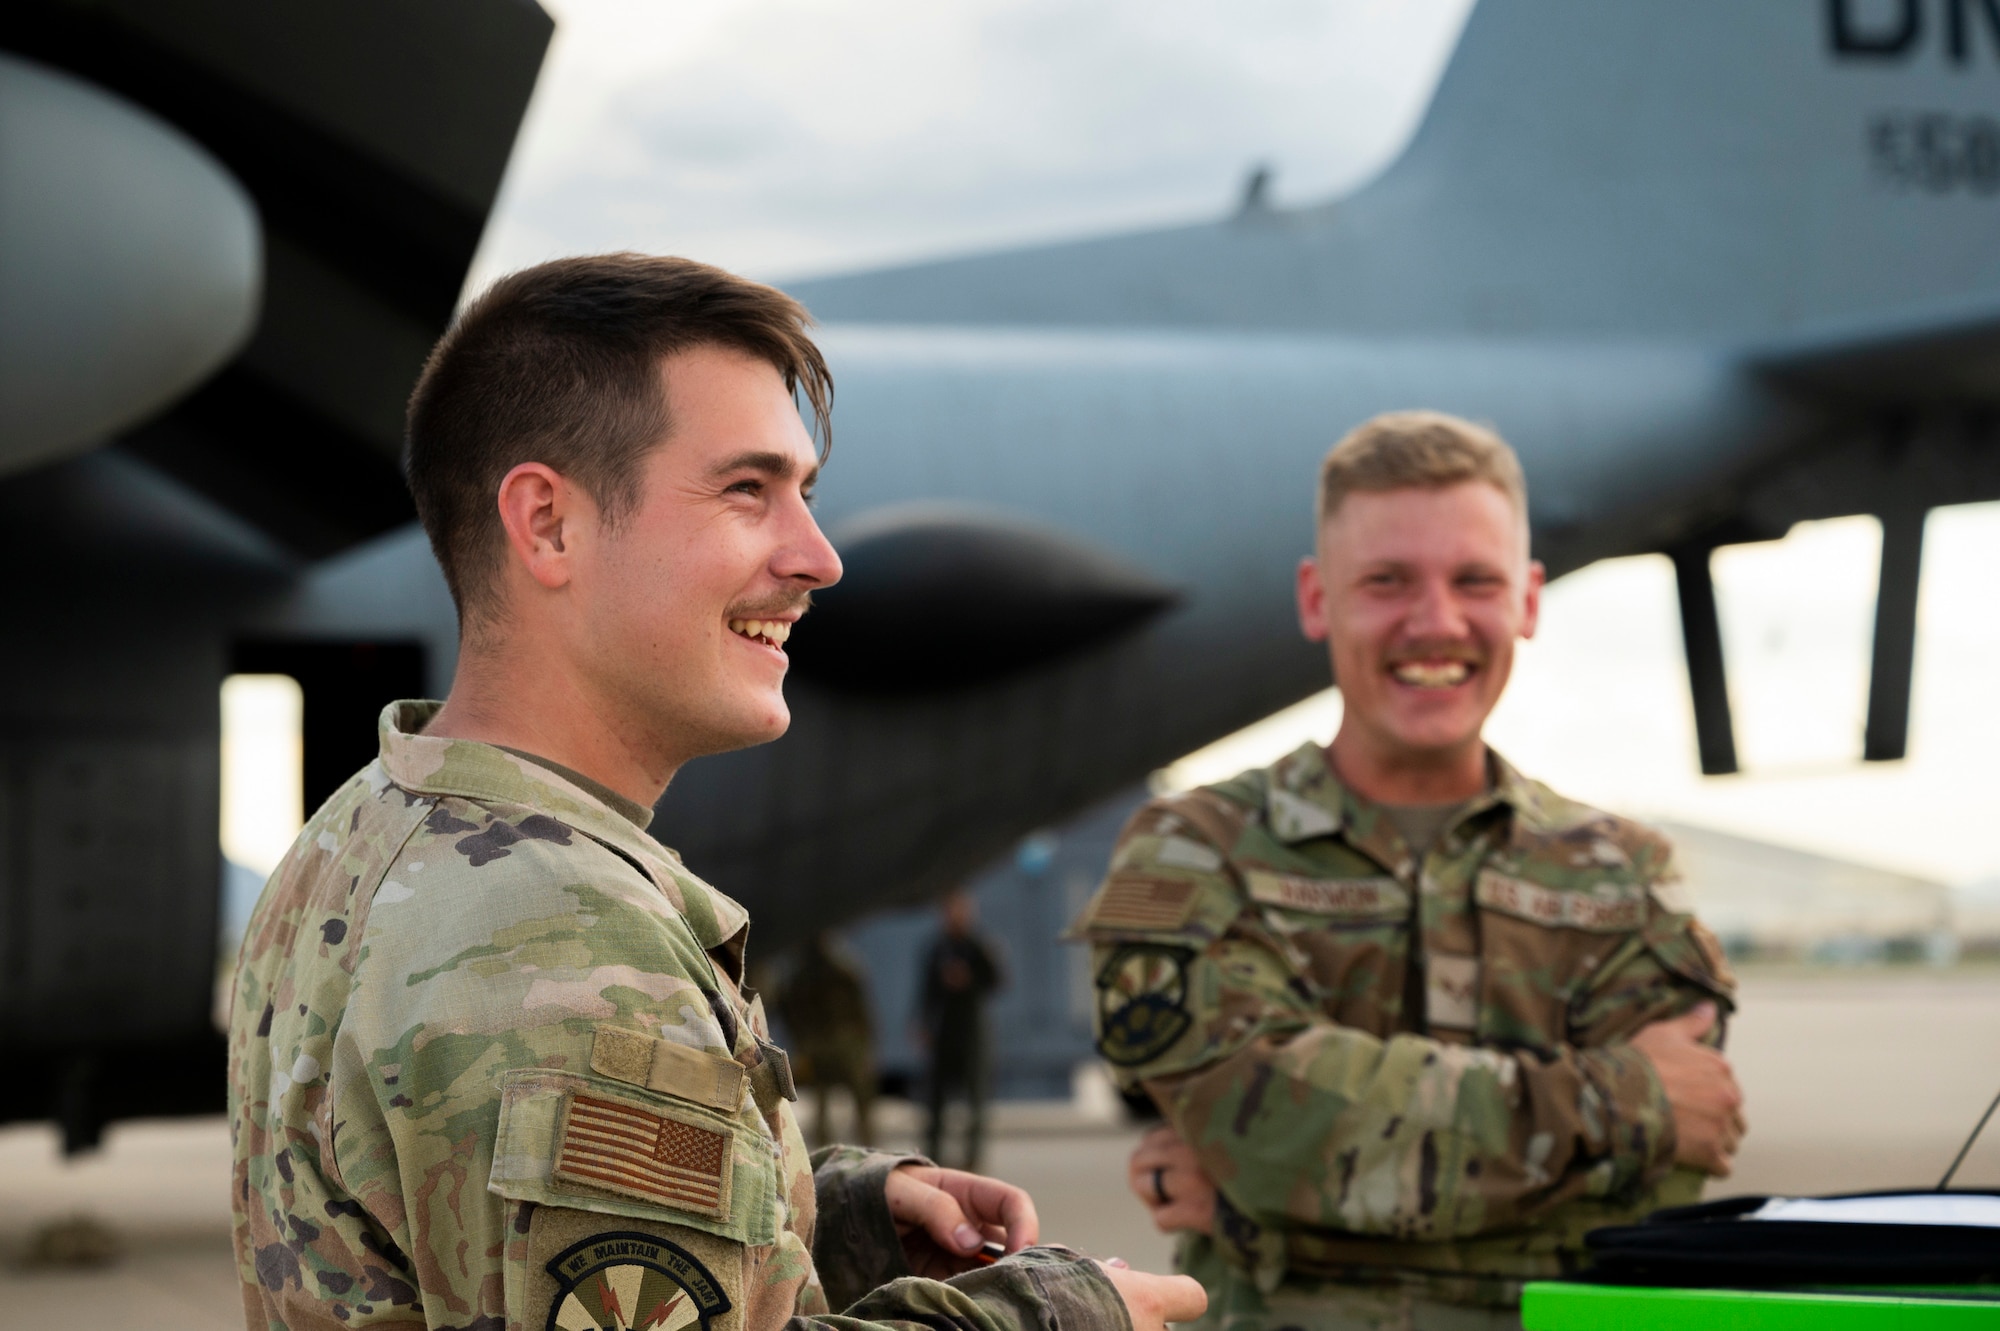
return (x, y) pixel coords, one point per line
(616, 1281)
(1142, 1002)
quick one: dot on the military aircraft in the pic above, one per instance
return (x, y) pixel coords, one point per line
(229, 231)
(1714, 268)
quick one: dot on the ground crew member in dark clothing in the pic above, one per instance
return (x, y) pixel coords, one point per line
(961, 970)
(825, 1007)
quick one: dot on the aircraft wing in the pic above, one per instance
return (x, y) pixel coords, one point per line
(1948, 357)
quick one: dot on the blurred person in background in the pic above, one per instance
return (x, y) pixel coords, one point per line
(1416, 1023)
(824, 1003)
(960, 971)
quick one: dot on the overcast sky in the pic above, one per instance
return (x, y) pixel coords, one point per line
(788, 137)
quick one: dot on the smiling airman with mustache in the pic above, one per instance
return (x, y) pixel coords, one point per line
(1415, 1022)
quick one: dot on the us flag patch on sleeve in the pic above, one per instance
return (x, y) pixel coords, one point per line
(637, 1152)
(1129, 901)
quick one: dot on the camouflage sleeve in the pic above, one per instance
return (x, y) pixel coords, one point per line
(1037, 1289)
(862, 1267)
(1670, 965)
(1302, 1121)
(855, 1246)
(538, 1101)
(549, 1113)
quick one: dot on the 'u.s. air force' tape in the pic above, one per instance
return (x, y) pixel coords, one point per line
(1142, 1003)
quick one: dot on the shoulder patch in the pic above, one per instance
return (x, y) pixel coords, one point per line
(1340, 898)
(1141, 1003)
(1139, 901)
(644, 1153)
(1605, 908)
(622, 1279)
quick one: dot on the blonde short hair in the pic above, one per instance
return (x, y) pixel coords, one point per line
(1429, 450)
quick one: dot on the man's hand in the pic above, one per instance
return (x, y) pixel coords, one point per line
(1707, 1103)
(944, 1215)
(1165, 1175)
(1153, 1301)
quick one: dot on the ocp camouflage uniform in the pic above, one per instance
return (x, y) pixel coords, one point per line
(1406, 1079)
(491, 1065)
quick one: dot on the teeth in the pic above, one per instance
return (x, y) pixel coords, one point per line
(774, 631)
(1426, 675)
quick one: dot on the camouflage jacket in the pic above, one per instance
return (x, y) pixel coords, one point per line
(1398, 1070)
(490, 1064)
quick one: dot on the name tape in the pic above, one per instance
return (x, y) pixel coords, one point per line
(1337, 898)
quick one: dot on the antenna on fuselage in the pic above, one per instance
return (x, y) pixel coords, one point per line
(1256, 190)
(1966, 1149)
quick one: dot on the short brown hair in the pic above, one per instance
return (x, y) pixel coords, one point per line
(1401, 450)
(560, 364)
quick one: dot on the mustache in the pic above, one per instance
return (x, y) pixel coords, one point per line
(1436, 650)
(771, 607)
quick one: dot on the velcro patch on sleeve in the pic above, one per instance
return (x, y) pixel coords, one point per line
(1338, 898)
(1135, 901)
(1605, 908)
(628, 1149)
(672, 1069)
(1185, 853)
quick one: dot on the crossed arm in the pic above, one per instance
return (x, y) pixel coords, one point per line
(1176, 1182)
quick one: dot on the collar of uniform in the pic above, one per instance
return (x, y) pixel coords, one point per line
(1517, 793)
(1304, 799)
(490, 775)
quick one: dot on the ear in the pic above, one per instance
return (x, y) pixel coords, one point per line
(543, 514)
(1531, 598)
(1312, 601)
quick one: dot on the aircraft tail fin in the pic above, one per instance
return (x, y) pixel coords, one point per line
(1709, 166)
(1735, 170)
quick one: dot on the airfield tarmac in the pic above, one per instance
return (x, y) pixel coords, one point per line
(1855, 1080)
